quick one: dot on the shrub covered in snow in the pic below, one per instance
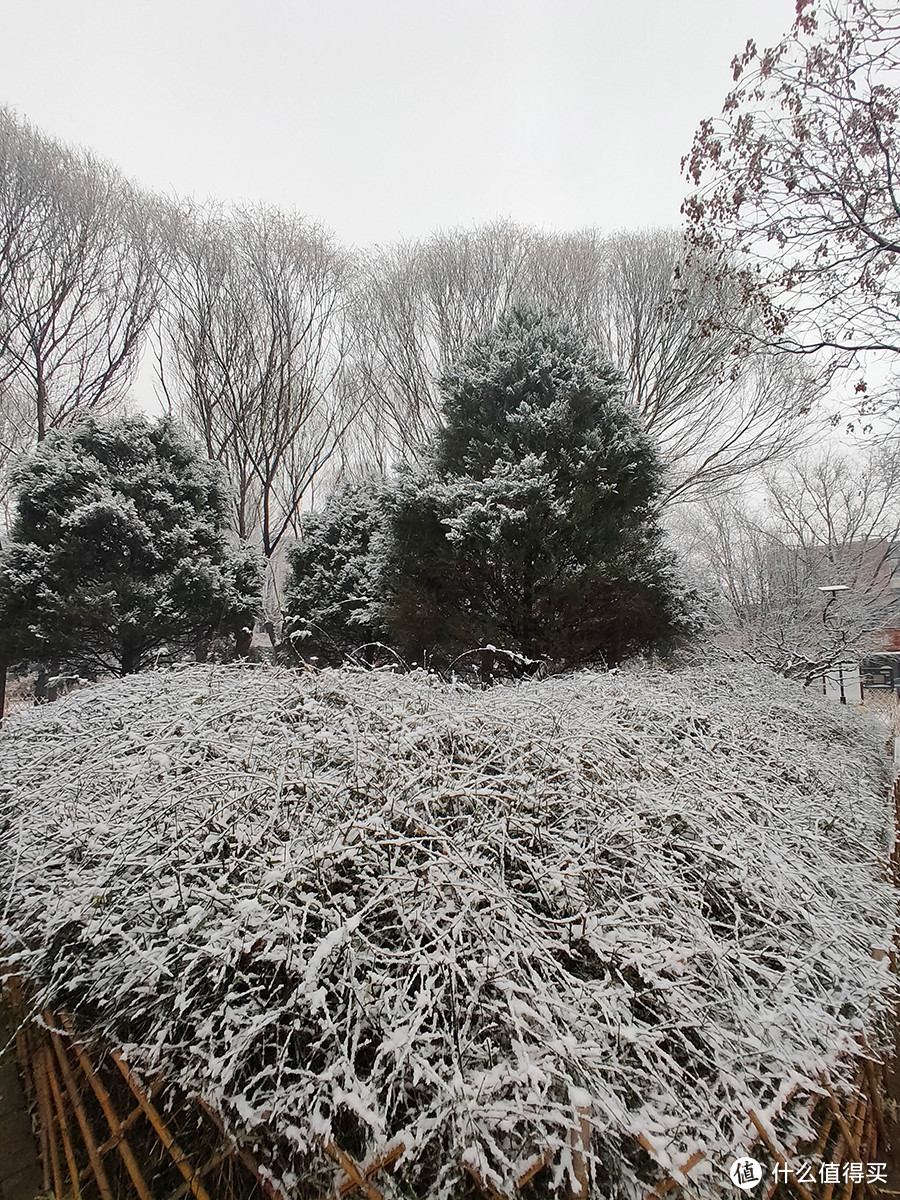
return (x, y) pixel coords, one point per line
(120, 546)
(378, 908)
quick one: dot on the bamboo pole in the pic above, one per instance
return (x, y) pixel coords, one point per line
(104, 1148)
(179, 1158)
(86, 1133)
(268, 1187)
(875, 1093)
(377, 1164)
(487, 1189)
(537, 1164)
(25, 1055)
(29, 1069)
(580, 1140)
(351, 1170)
(777, 1155)
(215, 1160)
(842, 1144)
(42, 1085)
(838, 1153)
(112, 1120)
(64, 1130)
(841, 1120)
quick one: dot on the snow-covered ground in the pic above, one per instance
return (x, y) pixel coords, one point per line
(382, 907)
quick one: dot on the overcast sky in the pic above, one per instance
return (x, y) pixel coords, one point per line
(390, 118)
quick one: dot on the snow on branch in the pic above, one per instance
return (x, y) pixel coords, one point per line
(377, 908)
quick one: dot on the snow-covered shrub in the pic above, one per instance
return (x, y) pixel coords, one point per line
(379, 908)
(120, 546)
(533, 524)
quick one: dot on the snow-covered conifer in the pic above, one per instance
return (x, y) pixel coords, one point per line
(333, 580)
(534, 524)
(120, 547)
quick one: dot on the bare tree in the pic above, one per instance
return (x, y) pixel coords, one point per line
(15, 434)
(252, 354)
(78, 285)
(78, 278)
(797, 182)
(718, 409)
(419, 307)
(830, 522)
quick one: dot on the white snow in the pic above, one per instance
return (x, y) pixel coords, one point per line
(378, 907)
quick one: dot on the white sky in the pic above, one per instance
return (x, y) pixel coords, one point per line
(390, 118)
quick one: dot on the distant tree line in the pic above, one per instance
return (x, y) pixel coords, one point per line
(292, 359)
(305, 369)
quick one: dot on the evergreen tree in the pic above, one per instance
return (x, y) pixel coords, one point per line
(333, 581)
(534, 525)
(120, 547)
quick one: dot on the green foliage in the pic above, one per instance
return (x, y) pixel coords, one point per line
(120, 547)
(333, 579)
(533, 526)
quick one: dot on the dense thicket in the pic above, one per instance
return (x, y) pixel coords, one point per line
(455, 918)
(120, 548)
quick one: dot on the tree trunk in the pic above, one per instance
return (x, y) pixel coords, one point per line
(130, 659)
(41, 401)
(3, 671)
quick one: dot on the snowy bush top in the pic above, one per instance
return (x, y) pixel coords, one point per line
(385, 908)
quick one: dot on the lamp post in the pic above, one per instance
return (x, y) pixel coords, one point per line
(834, 588)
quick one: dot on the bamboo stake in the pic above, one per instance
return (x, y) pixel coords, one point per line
(127, 1123)
(828, 1124)
(580, 1140)
(350, 1169)
(486, 1188)
(41, 1073)
(857, 1107)
(179, 1158)
(859, 1128)
(838, 1154)
(71, 1087)
(875, 1093)
(779, 1158)
(839, 1116)
(29, 1067)
(536, 1165)
(842, 1145)
(215, 1160)
(115, 1125)
(383, 1160)
(64, 1131)
(25, 1053)
(268, 1187)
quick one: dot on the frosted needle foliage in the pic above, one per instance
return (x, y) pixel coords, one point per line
(380, 907)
